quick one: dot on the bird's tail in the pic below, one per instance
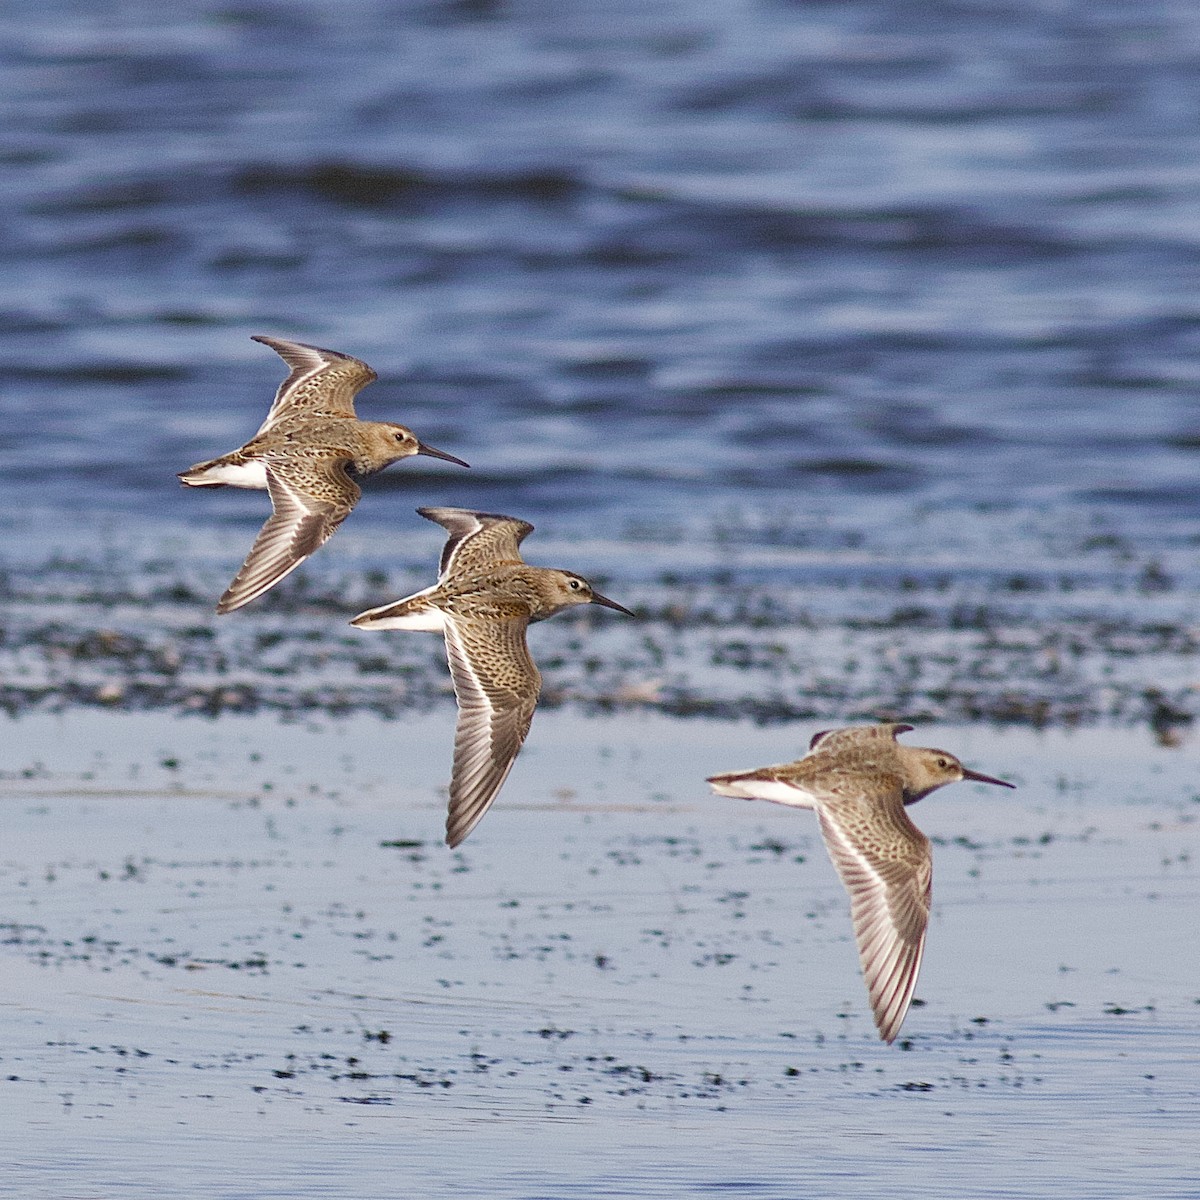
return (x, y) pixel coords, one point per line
(413, 612)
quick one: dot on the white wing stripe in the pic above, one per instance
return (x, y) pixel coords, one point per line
(478, 776)
(889, 962)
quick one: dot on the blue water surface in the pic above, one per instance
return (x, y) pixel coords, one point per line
(650, 267)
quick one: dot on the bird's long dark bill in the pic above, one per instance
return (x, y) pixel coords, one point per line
(430, 452)
(978, 778)
(599, 599)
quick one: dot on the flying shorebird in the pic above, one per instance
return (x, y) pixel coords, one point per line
(859, 781)
(304, 456)
(484, 599)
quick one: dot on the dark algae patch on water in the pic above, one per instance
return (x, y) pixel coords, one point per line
(776, 636)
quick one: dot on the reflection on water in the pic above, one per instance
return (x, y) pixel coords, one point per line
(242, 955)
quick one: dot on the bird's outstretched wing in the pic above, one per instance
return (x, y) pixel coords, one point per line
(309, 500)
(322, 382)
(886, 865)
(477, 538)
(833, 740)
(497, 685)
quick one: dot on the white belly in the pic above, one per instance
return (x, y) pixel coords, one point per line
(423, 619)
(252, 474)
(765, 789)
(429, 620)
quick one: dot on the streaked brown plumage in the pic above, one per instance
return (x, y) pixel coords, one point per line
(304, 456)
(483, 601)
(859, 781)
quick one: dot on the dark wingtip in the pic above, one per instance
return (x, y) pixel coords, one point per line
(228, 604)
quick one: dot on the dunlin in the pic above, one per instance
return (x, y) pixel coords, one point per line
(484, 599)
(859, 781)
(304, 456)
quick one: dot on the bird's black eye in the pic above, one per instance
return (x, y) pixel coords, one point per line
(944, 763)
(575, 585)
(401, 437)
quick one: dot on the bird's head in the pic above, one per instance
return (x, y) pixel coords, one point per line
(929, 769)
(565, 589)
(398, 441)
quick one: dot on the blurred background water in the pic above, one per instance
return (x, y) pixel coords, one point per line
(779, 270)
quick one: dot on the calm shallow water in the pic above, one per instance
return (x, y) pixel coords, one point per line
(234, 972)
